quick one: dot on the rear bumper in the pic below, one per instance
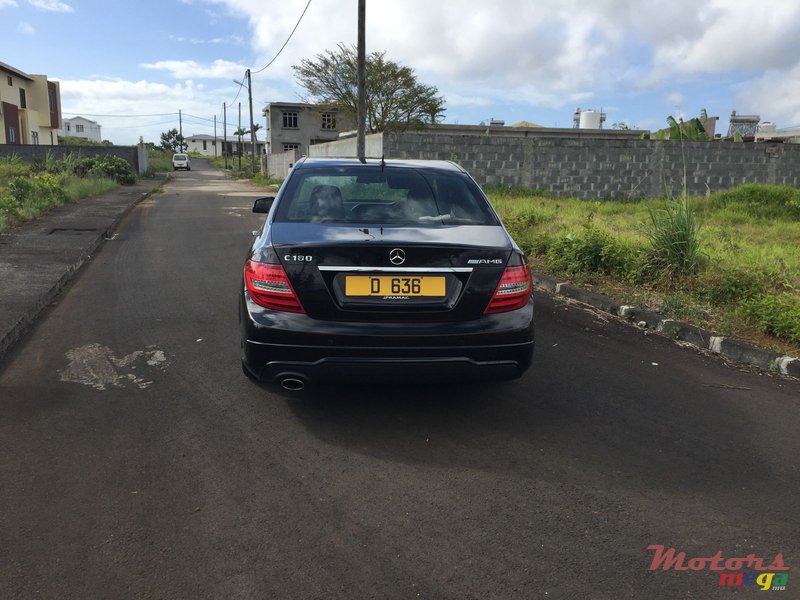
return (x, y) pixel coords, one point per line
(277, 345)
(271, 363)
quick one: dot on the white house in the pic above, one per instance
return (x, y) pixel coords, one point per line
(208, 145)
(81, 127)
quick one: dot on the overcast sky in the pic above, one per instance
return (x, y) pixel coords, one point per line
(638, 61)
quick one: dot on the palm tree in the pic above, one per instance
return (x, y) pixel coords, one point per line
(240, 133)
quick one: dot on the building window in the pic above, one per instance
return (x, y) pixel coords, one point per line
(290, 120)
(35, 138)
(10, 80)
(68, 126)
(79, 128)
(23, 101)
(287, 147)
(329, 120)
(205, 145)
(12, 135)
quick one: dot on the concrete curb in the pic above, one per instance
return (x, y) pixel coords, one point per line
(32, 311)
(730, 348)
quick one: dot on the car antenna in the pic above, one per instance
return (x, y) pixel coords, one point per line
(383, 162)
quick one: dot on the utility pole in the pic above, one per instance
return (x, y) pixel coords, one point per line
(252, 132)
(225, 133)
(180, 132)
(239, 137)
(215, 136)
(362, 83)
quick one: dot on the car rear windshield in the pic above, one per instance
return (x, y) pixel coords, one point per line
(390, 196)
(179, 157)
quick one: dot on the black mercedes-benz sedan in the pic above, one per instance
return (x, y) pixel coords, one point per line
(383, 269)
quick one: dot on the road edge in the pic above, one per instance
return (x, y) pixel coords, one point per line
(730, 348)
(17, 331)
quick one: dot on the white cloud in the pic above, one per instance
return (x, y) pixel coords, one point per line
(555, 54)
(8, 3)
(723, 36)
(51, 5)
(773, 96)
(189, 69)
(25, 28)
(550, 53)
(158, 103)
(674, 99)
(237, 40)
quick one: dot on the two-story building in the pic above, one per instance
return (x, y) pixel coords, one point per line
(81, 127)
(30, 108)
(296, 126)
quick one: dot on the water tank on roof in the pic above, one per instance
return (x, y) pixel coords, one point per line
(590, 119)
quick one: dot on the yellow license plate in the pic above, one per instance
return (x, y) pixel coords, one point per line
(394, 285)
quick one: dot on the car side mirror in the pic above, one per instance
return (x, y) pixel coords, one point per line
(263, 205)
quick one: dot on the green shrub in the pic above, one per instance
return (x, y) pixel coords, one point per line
(33, 195)
(762, 200)
(13, 166)
(732, 286)
(594, 251)
(775, 314)
(110, 166)
(519, 222)
(673, 233)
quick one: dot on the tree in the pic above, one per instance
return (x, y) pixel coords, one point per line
(76, 141)
(240, 133)
(693, 130)
(172, 141)
(396, 101)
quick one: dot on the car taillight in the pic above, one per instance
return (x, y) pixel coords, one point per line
(513, 291)
(269, 286)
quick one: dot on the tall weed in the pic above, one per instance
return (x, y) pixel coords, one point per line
(675, 245)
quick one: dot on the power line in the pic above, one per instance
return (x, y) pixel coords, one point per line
(139, 126)
(126, 116)
(239, 91)
(284, 43)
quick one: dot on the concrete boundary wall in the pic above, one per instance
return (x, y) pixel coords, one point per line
(135, 155)
(605, 168)
(280, 163)
(346, 148)
(592, 168)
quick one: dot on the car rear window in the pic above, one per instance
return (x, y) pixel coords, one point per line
(179, 157)
(388, 196)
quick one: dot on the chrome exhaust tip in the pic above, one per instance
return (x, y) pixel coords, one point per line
(292, 384)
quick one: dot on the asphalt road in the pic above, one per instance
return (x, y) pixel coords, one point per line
(136, 461)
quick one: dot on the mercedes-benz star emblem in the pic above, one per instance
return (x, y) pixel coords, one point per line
(397, 257)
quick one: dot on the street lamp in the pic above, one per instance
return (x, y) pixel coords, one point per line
(252, 133)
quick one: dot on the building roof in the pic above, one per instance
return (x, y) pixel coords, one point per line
(525, 124)
(71, 119)
(298, 105)
(11, 70)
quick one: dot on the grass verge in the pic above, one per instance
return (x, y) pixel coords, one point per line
(728, 262)
(29, 189)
